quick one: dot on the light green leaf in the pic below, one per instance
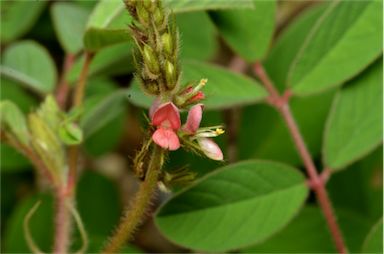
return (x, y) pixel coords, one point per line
(248, 32)
(201, 45)
(288, 44)
(354, 126)
(374, 241)
(69, 22)
(17, 17)
(29, 64)
(188, 5)
(14, 120)
(234, 206)
(346, 39)
(224, 89)
(107, 25)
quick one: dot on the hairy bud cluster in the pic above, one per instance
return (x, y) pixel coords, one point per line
(157, 41)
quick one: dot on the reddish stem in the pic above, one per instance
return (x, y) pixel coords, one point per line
(282, 105)
(63, 87)
(62, 222)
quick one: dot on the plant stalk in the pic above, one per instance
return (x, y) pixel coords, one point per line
(62, 222)
(280, 102)
(135, 212)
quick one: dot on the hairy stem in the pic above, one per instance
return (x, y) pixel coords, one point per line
(135, 212)
(317, 183)
(62, 222)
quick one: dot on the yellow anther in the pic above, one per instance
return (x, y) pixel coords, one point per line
(219, 131)
(203, 81)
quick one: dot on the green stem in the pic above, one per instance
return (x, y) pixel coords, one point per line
(134, 214)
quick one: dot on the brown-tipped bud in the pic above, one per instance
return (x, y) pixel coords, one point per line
(151, 60)
(158, 16)
(167, 43)
(142, 14)
(152, 87)
(170, 75)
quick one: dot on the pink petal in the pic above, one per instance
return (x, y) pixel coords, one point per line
(198, 97)
(210, 149)
(167, 115)
(166, 138)
(155, 105)
(194, 118)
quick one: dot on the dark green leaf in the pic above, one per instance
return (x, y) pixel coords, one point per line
(263, 133)
(113, 60)
(374, 241)
(14, 241)
(29, 64)
(341, 44)
(360, 187)
(308, 233)
(224, 89)
(248, 32)
(246, 202)
(354, 126)
(69, 21)
(17, 17)
(98, 204)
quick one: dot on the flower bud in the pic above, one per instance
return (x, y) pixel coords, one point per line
(152, 87)
(70, 134)
(142, 14)
(158, 16)
(170, 75)
(210, 149)
(167, 43)
(150, 60)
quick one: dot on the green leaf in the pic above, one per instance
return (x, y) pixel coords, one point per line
(308, 233)
(29, 64)
(108, 122)
(187, 5)
(70, 134)
(113, 60)
(374, 241)
(360, 187)
(354, 126)
(14, 120)
(346, 39)
(288, 44)
(17, 17)
(248, 32)
(107, 25)
(98, 204)
(263, 133)
(103, 112)
(234, 206)
(69, 21)
(14, 241)
(201, 45)
(225, 89)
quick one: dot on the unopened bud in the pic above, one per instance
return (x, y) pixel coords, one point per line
(170, 75)
(70, 134)
(152, 87)
(167, 42)
(158, 16)
(150, 60)
(142, 14)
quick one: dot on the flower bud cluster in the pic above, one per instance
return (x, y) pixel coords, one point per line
(157, 41)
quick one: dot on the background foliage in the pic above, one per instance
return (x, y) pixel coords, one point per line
(328, 53)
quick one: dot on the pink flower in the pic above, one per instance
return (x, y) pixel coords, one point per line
(208, 146)
(166, 118)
